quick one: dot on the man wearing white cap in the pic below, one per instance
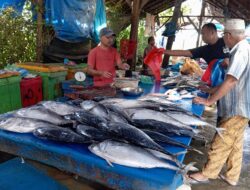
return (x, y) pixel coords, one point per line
(103, 59)
(234, 109)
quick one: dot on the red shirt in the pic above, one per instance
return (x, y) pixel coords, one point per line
(101, 59)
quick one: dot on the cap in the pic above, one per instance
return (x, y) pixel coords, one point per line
(106, 32)
(235, 24)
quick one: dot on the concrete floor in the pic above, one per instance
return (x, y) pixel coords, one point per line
(244, 183)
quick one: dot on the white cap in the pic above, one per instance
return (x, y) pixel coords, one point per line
(235, 24)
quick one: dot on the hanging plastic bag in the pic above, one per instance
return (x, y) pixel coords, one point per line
(214, 74)
(154, 60)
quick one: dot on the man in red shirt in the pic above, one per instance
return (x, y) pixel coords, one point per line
(103, 59)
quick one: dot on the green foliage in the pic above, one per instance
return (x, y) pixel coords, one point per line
(17, 38)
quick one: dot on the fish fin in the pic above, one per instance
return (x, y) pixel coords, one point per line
(196, 131)
(180, 153)
(199, 152)
(186, 168)
(109, 163)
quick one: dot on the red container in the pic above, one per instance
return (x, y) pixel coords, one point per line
(31, 91)
(127, 48)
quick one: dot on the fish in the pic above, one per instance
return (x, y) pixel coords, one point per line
(162, 127)
(90, 119)
(41, 113)
(159, 137)
(116, 117)
(22, 125)
(131, 156)
(137, 114)
(60, 134)
(136, 136)
(59, 107)
(193, 120)
(122, 112)
(95, 108)
(92, 132)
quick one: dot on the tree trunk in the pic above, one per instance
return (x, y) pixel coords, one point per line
(39, 48)
(176, 15)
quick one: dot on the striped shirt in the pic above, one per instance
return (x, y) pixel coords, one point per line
(237, 100)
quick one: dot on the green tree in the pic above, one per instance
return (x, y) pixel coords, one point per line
(17, 37)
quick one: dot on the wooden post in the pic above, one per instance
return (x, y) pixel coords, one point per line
(136, 10)
(39, 45)
(200, 22)
(176, 15)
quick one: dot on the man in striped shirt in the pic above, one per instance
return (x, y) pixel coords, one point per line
(234, 109)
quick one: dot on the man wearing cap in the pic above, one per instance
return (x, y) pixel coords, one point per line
(103, 59)
(234, 109)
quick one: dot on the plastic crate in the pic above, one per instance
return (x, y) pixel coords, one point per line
(52, 84)
(10, 94)
(31, 91)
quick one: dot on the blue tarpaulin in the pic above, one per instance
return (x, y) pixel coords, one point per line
(72, 20)
(16, 4)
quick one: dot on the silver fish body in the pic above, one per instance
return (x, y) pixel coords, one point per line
(59, 107)
(128, 155)
(41, 113)
(22, 125)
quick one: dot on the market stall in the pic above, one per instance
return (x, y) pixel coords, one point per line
(76, 158)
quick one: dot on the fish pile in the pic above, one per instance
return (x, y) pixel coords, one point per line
(182, 82)
(116, 128)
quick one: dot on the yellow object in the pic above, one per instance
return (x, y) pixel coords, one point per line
(9, 74)
(228, 150)
(47, 68)
(191, 67)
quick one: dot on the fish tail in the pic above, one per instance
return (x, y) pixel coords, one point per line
(186, 168)
(198, 151)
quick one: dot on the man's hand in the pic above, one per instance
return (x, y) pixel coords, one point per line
(106, 74)
(204, 88)
(225, 63)
(124, 66)
(204, 101)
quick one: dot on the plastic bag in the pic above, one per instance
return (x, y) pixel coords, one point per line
(154, 60)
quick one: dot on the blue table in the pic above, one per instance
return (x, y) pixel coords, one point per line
(76, 158)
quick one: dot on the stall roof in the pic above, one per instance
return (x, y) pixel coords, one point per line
(236, 8)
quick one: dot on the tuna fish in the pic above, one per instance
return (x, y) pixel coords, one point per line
(136, 136)
(60, 134)
(192, 120)
(22, 125)
(90, 119)
(131, 156)
(165, 139)
(92, 133)
(41, 113)
(137, 114)
(60, 108)
(95, 108)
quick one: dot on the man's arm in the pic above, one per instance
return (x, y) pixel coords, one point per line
(225, 87)
(120, 65)
(185, 53)
(94, 72)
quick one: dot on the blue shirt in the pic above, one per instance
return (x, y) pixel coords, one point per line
(237, 100)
